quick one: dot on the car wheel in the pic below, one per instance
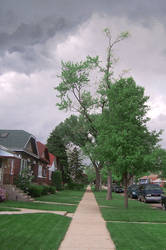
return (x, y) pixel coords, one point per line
(163, 206)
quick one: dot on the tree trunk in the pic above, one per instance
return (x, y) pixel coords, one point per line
(98, 179)
(109, 186)
(125, 191)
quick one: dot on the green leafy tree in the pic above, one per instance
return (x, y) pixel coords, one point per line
(76, 168)
(57, 147)
(124, 140)
(74, 94)
(90, 172)
(57, 179)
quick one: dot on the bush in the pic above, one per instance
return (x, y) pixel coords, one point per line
(24, 179)
(45, 190)
(52, 189)
(35, 190)
(57, 180)
(75, 186)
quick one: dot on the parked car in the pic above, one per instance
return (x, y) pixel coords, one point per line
(119, 189)
(114, 186)
(149, 193)
(133, 191)
(163, 202)
(2, 194)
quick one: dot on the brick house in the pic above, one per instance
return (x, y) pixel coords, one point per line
(7, 158)
(53, 166)
(23, 147)
(41, 171)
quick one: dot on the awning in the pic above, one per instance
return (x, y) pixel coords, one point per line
(5, 154)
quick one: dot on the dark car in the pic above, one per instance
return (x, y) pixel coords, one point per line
(163, 202)
(114, 186)
(132, 191)
(149, 193)
(119, 189)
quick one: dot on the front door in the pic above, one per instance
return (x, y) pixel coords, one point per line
(1, 172)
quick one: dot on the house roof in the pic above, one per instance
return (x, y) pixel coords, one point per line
(43, 152)
(6, 153)
(52, 158)
(17, 140)
(152, 177)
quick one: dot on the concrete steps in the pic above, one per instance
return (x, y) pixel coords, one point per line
(16, 194)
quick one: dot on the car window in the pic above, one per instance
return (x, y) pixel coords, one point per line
(152, 187)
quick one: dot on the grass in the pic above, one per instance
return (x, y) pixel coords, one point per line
(137, 211)
(66, 196)
(138, 237)
(133, 236)
(32, 231)
(7, 209)
(37, 231)
(40, 206)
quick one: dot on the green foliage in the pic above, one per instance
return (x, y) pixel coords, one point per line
(124, 139)
(46, 189)
(74, 77)
(57, 180)
(75, 186)
(52, 189)
(24, 179)
(76, 167)
(90, 172)
(35, 190)
(56, 146)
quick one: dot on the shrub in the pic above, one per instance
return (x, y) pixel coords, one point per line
(24, 179)
(45, 190)
(75, 186)
(52, 189)
(35, 190)
(57, 180)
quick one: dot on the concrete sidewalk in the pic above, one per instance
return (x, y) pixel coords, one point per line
(87, 230)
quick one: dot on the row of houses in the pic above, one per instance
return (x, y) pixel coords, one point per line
(19, 150)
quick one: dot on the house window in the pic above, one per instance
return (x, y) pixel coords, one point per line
(44, 172)
(23, 165)
(12, 168)
(50, 174)
(40, 171)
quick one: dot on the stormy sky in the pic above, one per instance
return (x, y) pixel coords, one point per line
(36, 35)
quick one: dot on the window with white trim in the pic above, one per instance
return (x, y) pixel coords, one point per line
(23, 165)
(40, 171)
(12, 167)
(50, 174)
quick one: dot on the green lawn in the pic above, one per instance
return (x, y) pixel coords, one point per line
(128, 236)
(40, 206)
(138, 236)
(7, 209)
(32, 231)
(137, 211)
(37, 231)
(66, 196)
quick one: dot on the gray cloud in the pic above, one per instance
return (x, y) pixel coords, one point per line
(35, 35)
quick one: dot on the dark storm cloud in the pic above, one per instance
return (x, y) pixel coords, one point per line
(27, 23)
(31, 34)
(35, 35)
